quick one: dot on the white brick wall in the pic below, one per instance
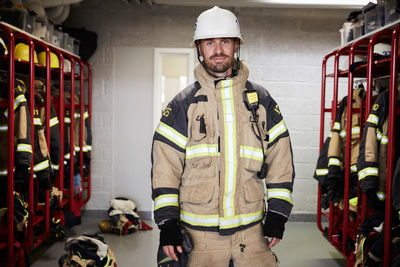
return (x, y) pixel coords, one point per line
(284, 49)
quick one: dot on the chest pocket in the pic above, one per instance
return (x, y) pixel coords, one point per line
(201, 147)
(251, 153)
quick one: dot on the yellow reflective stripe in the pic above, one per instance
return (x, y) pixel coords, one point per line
(277, 130)
(77, 148)
(67, 120)
(53, 121)
(238, 220)
(4, 128)
(172, 135)
(202, 151)
(3, 172)
(86, 115)
(373, 119)
(354, 130)
(353, 201)
(336, 126)
(6, 113)
(251, 153)
(41, 166)
(89, 148)
(378, 135)
(280, 193)
(85, 149)
(166, 200)
(230, 147)
(24, 148)
(353, 168)
(67, 156)
(55, 166)
(321, 172)
(381, 195)
(199, 220)
(37, 121)
(222, 222)
(18, 100)
(373, 171)
(330, 135)
(333, 161)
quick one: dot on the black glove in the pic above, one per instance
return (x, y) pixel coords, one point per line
(170, 234)
(274, 225)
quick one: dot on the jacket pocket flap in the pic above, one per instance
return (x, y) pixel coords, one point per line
(197, 194)
(253, 191)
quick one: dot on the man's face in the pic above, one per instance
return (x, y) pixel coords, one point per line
(218, 55)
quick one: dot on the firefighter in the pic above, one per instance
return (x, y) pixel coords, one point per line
(216, 142)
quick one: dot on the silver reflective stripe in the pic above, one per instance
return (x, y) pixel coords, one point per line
(18, 100)
(353, 168)
(86, 115)
(55, 167)
(251, 153)
(230, 147)
(373, 171)
(243, 219)
(373, 119)
(172, 135)
(166, 200)
(89, 148)
(4, 128)
(334, 161)
(54, 121)
(67, 156)
(24, 148)
(342, 134)
(202, 151)
(277, 130)
(199, 220)
(381, 196)
(336, 126)
(321, 172)
(280, 193)
(37, 121)
(6, 113)
(41, 166)
(3, 172)
(384, 140)
(355, 130)
(77, 148)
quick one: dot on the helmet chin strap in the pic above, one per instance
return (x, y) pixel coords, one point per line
(235, 67)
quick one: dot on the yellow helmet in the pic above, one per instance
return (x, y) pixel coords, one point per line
(54, 63)
(105, 226)
(21, 52)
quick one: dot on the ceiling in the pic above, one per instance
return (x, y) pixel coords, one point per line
(340, 4)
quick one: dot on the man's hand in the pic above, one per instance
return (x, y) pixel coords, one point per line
(170, 251)
(274, 241)
(171, 238)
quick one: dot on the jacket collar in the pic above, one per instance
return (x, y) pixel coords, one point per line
(208, 81)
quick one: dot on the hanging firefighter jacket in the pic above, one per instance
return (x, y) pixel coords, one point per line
(396, 186)
(321, 172)
(207, 158)
(372, 161)
(55, 145)
(22, 137)
(337, 148)
(20, 214)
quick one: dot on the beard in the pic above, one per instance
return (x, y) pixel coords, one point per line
(219, 67)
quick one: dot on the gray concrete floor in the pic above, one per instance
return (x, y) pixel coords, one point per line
(302, 246)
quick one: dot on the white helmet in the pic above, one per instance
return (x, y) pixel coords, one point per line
(382, 49)
(216, 23)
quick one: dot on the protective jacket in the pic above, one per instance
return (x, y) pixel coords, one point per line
(372, 161)
(321, 171)
(206, 157)
(337, 146)
(22, 136)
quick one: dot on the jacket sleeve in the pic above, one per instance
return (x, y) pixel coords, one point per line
(321, 171)
(368, 159)
(22, 128)
(168, 159)
(280, 175)
(335, 157)
(55, 145)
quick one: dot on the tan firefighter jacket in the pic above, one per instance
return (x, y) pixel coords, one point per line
(206, 157)
(337, 145)
(372, 161)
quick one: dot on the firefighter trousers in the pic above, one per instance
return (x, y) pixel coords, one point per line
(245, 248)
